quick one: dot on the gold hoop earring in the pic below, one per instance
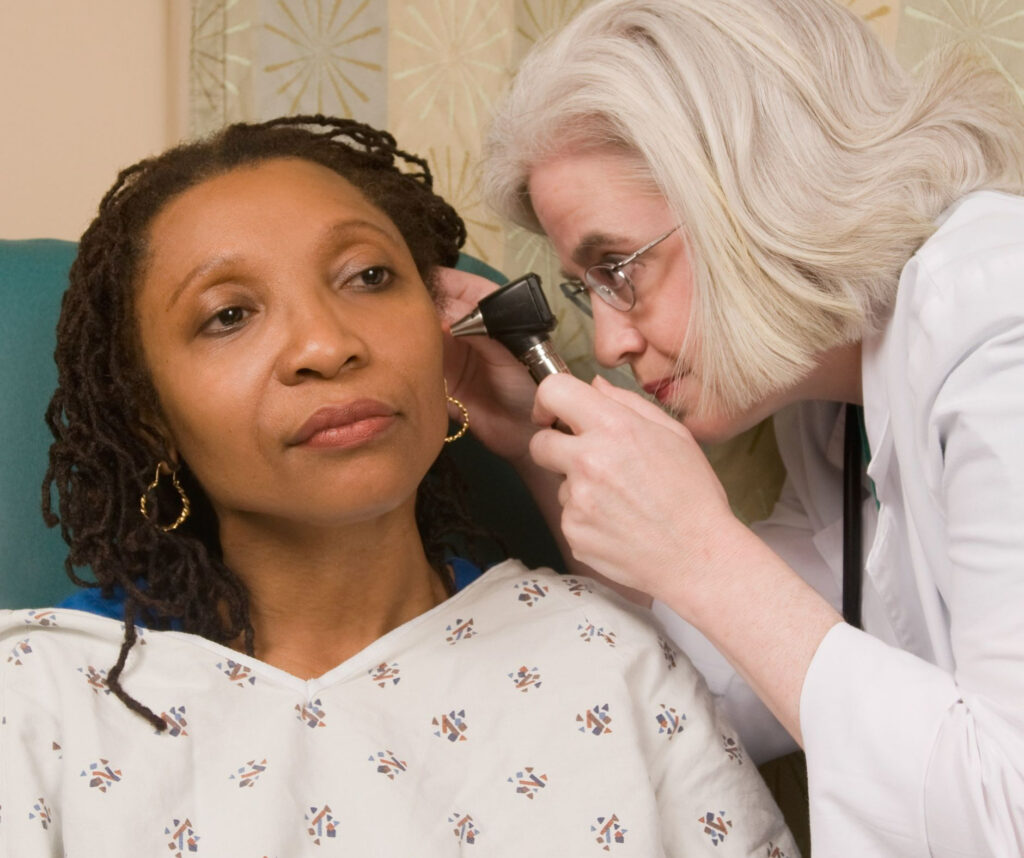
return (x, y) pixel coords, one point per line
(186, 507)
(465, 417)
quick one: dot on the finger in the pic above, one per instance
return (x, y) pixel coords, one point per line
(572, 401)
(462, 291)
(563, 493)
(541, 417)
(552, 450)
(636, 403)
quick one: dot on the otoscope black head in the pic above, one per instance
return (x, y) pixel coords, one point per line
(517, 314)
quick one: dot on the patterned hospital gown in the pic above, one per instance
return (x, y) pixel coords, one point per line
(530, 713)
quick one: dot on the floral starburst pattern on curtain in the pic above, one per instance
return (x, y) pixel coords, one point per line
(994, 28)
(324, 57)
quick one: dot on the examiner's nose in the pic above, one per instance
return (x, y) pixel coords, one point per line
(616, 339)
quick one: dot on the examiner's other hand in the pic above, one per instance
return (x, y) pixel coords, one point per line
(639, 497)
(495, 387)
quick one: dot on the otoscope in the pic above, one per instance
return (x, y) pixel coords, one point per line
(518, 316)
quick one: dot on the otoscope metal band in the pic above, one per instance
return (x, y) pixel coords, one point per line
(542, 360)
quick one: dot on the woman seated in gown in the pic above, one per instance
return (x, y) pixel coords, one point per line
(248, 459)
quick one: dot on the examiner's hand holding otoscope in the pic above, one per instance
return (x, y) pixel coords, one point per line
(495, 332)
(518, 316)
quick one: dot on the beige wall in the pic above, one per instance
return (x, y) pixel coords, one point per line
(86, 87)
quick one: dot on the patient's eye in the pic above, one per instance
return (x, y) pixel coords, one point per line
(226, 319)
(371, 279)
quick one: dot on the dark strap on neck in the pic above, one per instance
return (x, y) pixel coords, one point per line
(853, 476)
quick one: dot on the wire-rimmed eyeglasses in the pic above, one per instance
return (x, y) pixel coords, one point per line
(610, 281)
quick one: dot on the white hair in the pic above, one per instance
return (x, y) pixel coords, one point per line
(806, 166)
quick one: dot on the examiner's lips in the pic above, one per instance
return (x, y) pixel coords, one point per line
(345, 425)
(661, 389)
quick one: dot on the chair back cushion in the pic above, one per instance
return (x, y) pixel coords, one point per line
(33, 277)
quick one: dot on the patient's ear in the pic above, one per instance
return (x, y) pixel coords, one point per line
(154, 433)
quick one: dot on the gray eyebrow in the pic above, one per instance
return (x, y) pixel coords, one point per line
(585, 247)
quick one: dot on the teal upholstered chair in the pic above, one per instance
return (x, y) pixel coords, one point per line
(33, 276)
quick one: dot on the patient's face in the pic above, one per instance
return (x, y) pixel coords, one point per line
(294, 348)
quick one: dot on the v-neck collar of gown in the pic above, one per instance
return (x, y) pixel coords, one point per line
(354, 666)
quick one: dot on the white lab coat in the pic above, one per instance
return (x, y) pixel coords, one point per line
(914, 728)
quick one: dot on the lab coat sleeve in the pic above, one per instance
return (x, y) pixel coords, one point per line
(791, 534)
(906, 758)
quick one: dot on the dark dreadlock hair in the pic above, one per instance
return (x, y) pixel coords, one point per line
(106, 445)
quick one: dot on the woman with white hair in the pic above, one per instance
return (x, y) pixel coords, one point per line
(766, 216)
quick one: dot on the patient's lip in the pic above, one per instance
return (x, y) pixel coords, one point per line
(345, 424)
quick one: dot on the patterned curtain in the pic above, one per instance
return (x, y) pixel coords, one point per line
(429, 70)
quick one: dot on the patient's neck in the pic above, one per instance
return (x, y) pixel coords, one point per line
(318, 595)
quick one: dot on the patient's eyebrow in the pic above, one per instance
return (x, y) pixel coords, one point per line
(201, 270)
(342, 229)
(331, 235)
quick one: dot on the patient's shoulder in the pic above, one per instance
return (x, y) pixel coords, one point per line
(34, 639)
(525, 601)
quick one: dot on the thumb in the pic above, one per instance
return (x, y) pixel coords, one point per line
(636, 403)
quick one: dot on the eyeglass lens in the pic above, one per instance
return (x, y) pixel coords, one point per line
(612, 285)
(609, 281)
